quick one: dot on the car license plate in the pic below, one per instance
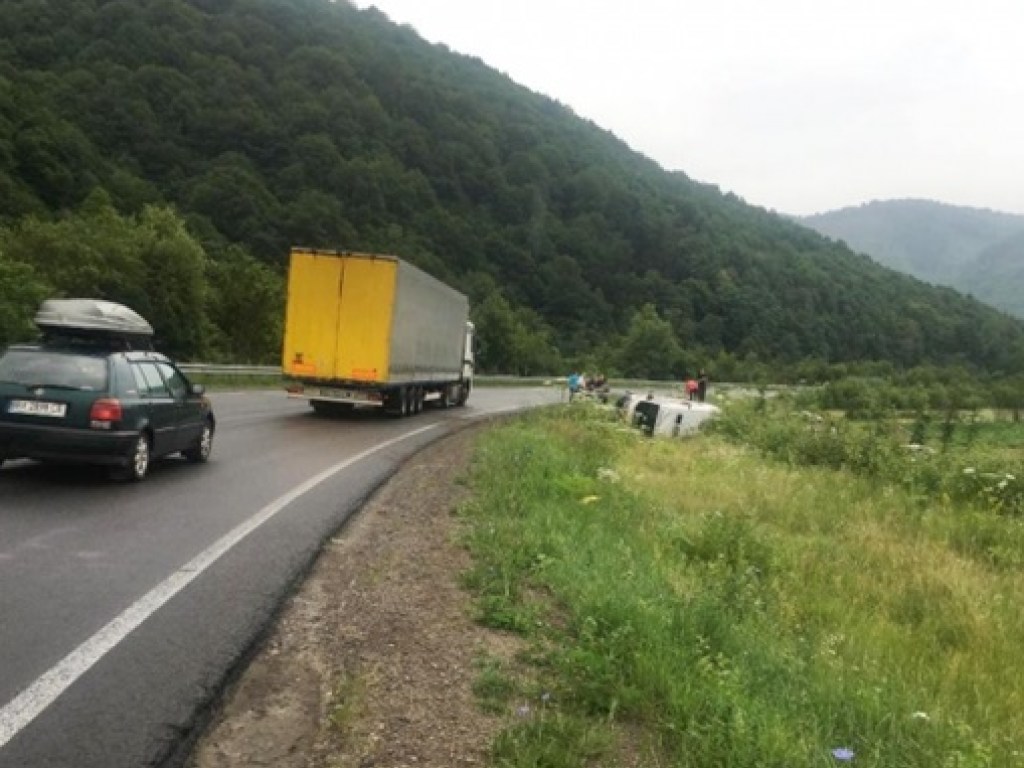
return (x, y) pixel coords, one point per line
(37, 408)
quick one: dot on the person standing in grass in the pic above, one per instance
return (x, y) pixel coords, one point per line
(702, 385)
(574, 384)
(690, 386)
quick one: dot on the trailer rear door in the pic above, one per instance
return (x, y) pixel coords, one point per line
(364, 318)
(311, 322)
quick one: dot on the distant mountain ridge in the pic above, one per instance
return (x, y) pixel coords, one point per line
(977, 251)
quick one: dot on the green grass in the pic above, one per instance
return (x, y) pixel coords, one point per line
(346, 702)
(700, 604)
(495, 685)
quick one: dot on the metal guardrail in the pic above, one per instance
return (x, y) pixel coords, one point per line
(217, 369)
(636, 385)
(225, 369)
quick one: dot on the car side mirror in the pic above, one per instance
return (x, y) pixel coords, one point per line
(198, 390)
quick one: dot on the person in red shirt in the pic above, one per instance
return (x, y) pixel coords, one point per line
(691, 387)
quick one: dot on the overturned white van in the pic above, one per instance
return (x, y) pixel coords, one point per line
(667, 416)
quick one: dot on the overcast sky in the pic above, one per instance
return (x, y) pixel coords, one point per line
(799, 106)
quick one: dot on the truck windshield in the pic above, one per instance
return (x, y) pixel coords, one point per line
(43, 368)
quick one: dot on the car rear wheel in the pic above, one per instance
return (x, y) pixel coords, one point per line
(200, 452)
(138, 461)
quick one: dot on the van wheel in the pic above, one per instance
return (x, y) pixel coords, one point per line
(138, 462)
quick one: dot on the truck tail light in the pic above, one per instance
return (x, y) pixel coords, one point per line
(105, 412)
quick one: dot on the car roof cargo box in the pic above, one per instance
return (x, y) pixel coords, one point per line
(94, 320)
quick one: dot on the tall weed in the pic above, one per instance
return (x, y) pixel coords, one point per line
(964, 470)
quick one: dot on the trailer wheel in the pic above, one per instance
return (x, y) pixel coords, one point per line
(444, 400)
(463, 394)
(417, 399)
(393, 402)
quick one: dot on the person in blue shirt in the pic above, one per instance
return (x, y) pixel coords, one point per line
(575, 382)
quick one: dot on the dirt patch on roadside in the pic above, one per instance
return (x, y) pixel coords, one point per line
(371, 663)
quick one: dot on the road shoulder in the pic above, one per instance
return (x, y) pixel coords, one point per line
(371, 662)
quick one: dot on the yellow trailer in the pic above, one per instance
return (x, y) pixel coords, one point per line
(367, 329)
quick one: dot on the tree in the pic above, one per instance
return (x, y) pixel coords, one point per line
(57, 161)
(175, 285)
(650, 350)
(233, 195)
(512, 340)
(88, 254)
(21, 292)
(149, 263)
(246, 305)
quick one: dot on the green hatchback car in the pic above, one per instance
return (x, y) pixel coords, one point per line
(94, 402)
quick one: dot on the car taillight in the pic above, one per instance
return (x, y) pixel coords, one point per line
(104, 412)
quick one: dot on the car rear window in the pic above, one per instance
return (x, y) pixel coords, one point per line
(45, 368)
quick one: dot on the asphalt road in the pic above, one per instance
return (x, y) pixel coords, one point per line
(125, 607)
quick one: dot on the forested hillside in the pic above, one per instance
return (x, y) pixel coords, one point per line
(168, 153)
(976, 251)
(996, 276)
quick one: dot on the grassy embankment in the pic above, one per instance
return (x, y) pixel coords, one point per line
(718, 602)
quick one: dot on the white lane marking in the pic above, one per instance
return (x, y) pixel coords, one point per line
(28, 704)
